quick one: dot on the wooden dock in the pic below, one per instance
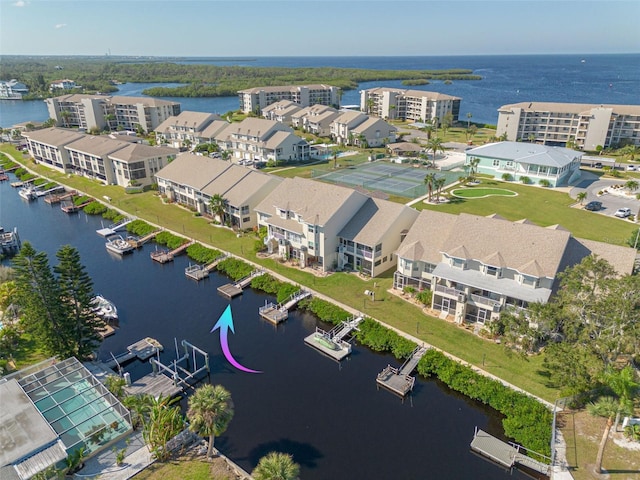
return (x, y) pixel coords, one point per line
(106, 331)
(164, 256)
(142, 349)
(279, 313)
(399, 380)
(139, 242)
(4, 177)
(196, 272)
(54, 198)
(67, 206)
(210, 267)
(113, 228)
(333, 343)
(231, 290)
(154, 384)
(506, 454)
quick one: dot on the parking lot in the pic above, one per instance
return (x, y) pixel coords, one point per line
(610, 203)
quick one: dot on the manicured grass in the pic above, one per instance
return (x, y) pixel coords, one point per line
(343, 287)
(544, 207)
(185, 469)
(475, 192)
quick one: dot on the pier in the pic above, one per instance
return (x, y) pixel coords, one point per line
(142, 350)
(42, 193)
(507, 454)
(279, 313)
(333, 343)
(54, 198)
(139, 242)
(113, 228)
(399, 380)
(67, 206)
(164, 256)
(196, 272)
(231, 290)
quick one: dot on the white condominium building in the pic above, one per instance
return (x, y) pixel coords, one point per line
(413, 105)
(255, 99)
(587, 126)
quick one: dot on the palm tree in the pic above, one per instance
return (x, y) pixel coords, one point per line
(276, 466)
(581, 197)
(370, 105)
(438, 183)
(435, 145)
(469, 115)
(218, 205)
(225, 155)
(210, 411)
(66, 115)
(473, 167)
(429, 179)
(607, 407)
(632, 185)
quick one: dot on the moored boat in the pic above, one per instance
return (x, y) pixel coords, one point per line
(104, 308)
(119, 245)
(28, 192)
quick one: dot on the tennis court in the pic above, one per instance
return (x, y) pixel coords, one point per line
(405, 181)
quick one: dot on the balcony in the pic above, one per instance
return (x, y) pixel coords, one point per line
(484, 302)
(448, 292)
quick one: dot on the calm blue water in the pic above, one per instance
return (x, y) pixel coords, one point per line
(331, 419)
(612, 79)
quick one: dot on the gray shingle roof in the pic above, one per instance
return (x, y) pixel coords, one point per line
(98, 146)
(135, 152)
(55, 137)
(193, 170)
(530, 153)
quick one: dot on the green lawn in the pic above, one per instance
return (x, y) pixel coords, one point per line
(475, 192)
(544, 207)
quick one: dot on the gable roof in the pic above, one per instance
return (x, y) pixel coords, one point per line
(135, 152)
(98, 146)
(373, 123)
(426, 236)
(193, 170)
(55, 137)
(196, 120)
(238, 184)
(530, 153)
(316, 202)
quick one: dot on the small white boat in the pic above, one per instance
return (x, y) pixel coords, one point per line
(119, 245)
(104, 308)
(28, 192)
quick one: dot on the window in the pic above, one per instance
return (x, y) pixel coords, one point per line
(246, 219)
(529, 280)
(496, 163)
(493, 271)
(458, 263)
(310, 229)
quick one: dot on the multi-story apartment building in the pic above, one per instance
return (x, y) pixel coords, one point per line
(477, 267)
(100, 112)
(12, 89)
(343, 125)
(193, 180)
(47, 146)
(137, 163)
(64, 84)
(281, 111)
(373, 132)
(412, 105)
(257, 139)
(327, 226)
(255, 99)
(586, 126)
(188, 129)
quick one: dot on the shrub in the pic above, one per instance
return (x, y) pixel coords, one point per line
(506, 177)
(140, 228)
(234, 268)
(425, 297)
(95, 208)
(111, 214)
(285, 291)
(39, 182)
(170, 240)
(409, 290)
(202, 254)
(325, 311)
(267, 283)
(545, 183)
(19, 172)
(526, 180)
(77, 201)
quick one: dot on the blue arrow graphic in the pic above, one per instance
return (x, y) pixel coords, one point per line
(225, 323)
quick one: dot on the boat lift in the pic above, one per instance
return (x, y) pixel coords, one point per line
(174, 369)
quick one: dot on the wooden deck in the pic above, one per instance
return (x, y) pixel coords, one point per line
(400, 381)
(154, 384)
(230, 290)
(161, 256)
(142, 349)
(505, 454)
(273, 313)
(321, 341)
(196, 272)
(106, 331)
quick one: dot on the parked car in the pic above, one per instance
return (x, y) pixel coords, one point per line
(623, 212)
(597, 165)
(631, 168)
(593, 206)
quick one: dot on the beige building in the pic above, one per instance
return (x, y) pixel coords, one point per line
(257, 139)
(477, 267)
(46, 146)
(587, 126)
(412, 105)
(255, 99)
(100, 112)
(330, 227)
(188, 129)
(137, 163)
(281, 111)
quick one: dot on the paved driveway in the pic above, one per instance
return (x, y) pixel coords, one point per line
(591, 184)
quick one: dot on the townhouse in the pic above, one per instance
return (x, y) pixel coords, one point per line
(330, 227)
(586, 126)
(188, 129)
(477, 267)
(99, 112)
(373, 132)
(526, 161)
(411, 105)
(342, 126)
(281, 111)
(316, 119)
(193, 180)
(257, 139)
(255, 99)
(110, 160)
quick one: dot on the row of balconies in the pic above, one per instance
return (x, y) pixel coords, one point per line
(473, 299)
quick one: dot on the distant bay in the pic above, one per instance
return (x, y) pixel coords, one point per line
(595, 79)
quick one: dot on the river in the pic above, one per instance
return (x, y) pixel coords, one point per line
(329, 416)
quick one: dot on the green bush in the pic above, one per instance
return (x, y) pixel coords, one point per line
(95, 208)
(409, 290)
(77, 201)
(381, 339)
(202, 254)
(267, 283)
(19, 172)
(527, 420)
(110, 214)
(170, 240)
(38, 182)
(325, 311)
(544, 182)
(26, 176)
(425, 297)
(234, 268)
(140, 228)
(285, 291)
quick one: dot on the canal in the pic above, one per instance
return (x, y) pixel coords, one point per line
(329, 416)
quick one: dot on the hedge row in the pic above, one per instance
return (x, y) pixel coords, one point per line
(325, 311)
(170, 240)
(140, 228)
(94, 208)
(268, 284)
(527, 420)
(202, 254)
(234, 268)
(381, 339)
(77, 201)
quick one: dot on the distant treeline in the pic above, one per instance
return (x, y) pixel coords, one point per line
(100, 74)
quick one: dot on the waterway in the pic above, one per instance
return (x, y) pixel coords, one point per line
(329, 416)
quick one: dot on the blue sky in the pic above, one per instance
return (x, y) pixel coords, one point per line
(317, 27)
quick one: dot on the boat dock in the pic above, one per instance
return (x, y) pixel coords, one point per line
(215, 263)
(279, 313)
(231, 290)
(106, 331)
(154, 384)
(164, 256)
(113, 228)
(139, 242)
(333, 343)
(10, 242)
(4, 177)
(67, 206)
(507, 454)
(196, 272)
(42, 193)
(54, 198)
(399, 380)
(142, 349)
